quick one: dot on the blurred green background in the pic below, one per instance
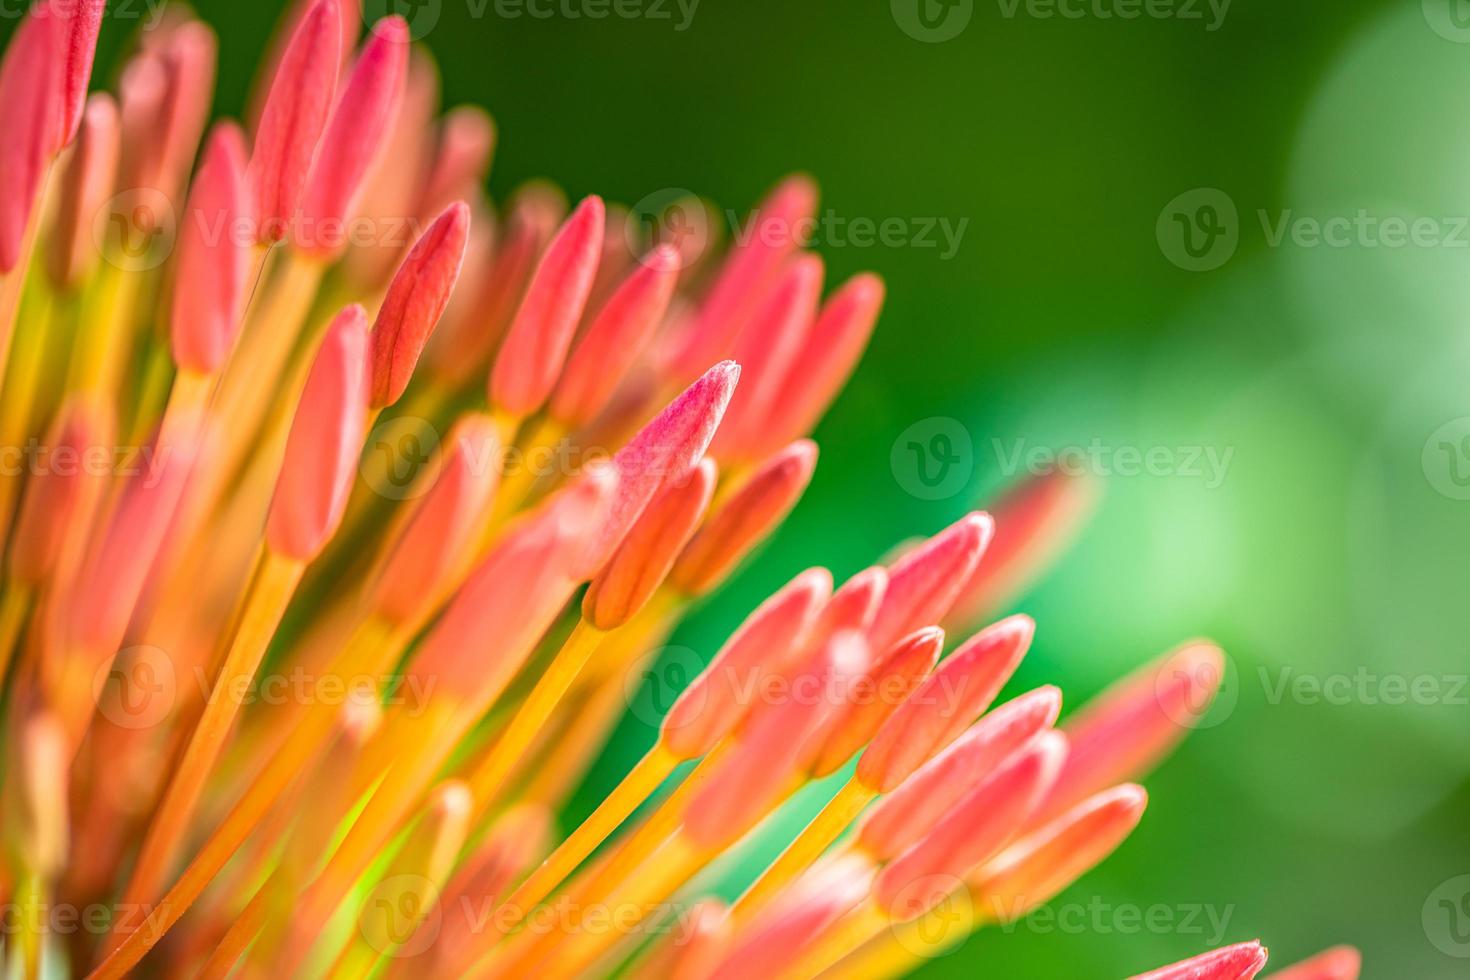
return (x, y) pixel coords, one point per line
(1326, 376)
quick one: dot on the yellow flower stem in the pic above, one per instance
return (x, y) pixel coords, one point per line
(266, 597)
(489, 778)
(409, 754)
(21, 384)
(600, 879)
(12, 284)
(15, 606)
(818, 835)
(588, 717)
(670, 869)
(236, 941)
(373, 648)
(30, 904)
(640, 783)
(836, 941)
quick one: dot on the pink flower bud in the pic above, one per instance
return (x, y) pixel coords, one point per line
(1034, 521)
(1035, 868)
(1239, 962)
(214, 258)
(662, 454)
(52, 494)
(502, 611)
(30, 114)
(1128, 729)
(536, 347)
(903, 816)
(325, 443)
(923, 583)
(466, 142)
(746, 519)
(761, 248)
(973, 830)
(766, 349)
(80, 22)
(946, 704)
(615, 338)
(415, 302)
(774, 743)
(828, 356)
(354, 137)
(293, 118)
(640, 564)
(86, 184)
(1338, 963)
(892, 679)
(717, 701)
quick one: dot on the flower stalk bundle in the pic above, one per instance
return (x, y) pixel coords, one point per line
(299, 684)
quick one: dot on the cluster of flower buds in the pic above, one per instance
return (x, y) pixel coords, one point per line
(343, 511)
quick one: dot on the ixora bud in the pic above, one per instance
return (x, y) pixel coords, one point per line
(294, 117)
(324, 444)
(536, 347)
(353, 138)
(213, 261)
(416, 300)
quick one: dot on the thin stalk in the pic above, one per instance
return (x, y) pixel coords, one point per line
(821, 833)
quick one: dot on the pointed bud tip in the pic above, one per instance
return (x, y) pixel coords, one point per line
(416, 301)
